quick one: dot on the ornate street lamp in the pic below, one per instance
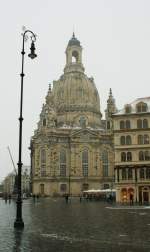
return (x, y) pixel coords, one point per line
(19, 221)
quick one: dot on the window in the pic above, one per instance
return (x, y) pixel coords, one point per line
(143, 139)
(108, 125)
(129, 156)
(128, 140)
(43, 156)
(129, 173)
(122, 140)
(141, 155)
(63, 163)
(44, 122)
(144, 155)
(43, 162)
(75, 57)
(146, 139)
(147, 155)
(140, 139)
(148, 173)
(128, 109)
(85, 163)
(139, 124)
(82, 122)
(122, 125)
(141, 107)
(124, 175)
(105, 163)
(123, 156)
(145, 124)
(142, 173)
(142, 124)
(127, 124)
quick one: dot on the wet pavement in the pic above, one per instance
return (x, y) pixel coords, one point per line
(52, 225)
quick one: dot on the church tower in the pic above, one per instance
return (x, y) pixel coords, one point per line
(111, 109)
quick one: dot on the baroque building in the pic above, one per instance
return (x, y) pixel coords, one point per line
(132, 151)
(72, 148)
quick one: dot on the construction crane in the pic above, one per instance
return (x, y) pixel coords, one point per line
(15, 183)
(12, 160)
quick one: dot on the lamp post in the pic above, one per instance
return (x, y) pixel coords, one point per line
(19, 221)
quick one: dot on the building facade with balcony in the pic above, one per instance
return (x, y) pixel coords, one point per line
(132, 151)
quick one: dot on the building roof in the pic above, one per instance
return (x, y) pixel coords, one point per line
(74, 41)
(133, 105)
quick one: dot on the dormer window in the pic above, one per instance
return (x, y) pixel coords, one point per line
(141, 107)
(127, 109)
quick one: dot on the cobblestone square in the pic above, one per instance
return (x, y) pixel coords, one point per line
(52, 225)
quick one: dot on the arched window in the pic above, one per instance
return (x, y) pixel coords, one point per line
(129, 156)
(105, 163)
(148, 173)
(145, 124)
(44, 122)
(122, 125)
(139, 124)
(142, 173)
(124, 174)
(108, 124)
(122, 140)
(127, 124)
(62, 163)
(141, 107)
(128, 140)
(141, 155)
(146, 139)
(144, 107)
(85, 163)
(43, 162)
(140, 139)
(43, 156)
(123, 156)
(129, 173)
(147, 155)
(75, 57)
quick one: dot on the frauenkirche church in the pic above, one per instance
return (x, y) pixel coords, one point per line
(72, 148)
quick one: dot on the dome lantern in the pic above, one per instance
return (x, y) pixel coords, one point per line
(74, 56)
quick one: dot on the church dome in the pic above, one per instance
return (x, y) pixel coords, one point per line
(75, 95)
(76, 92)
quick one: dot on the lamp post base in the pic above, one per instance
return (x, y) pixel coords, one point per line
(19, 224)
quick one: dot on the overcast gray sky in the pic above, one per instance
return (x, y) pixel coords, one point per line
(115, 35)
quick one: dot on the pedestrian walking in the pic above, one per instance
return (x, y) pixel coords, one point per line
(6, 198)
(80, 198)
(66, 198)
(9, 197)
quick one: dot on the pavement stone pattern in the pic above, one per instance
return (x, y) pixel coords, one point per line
(53, 225)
